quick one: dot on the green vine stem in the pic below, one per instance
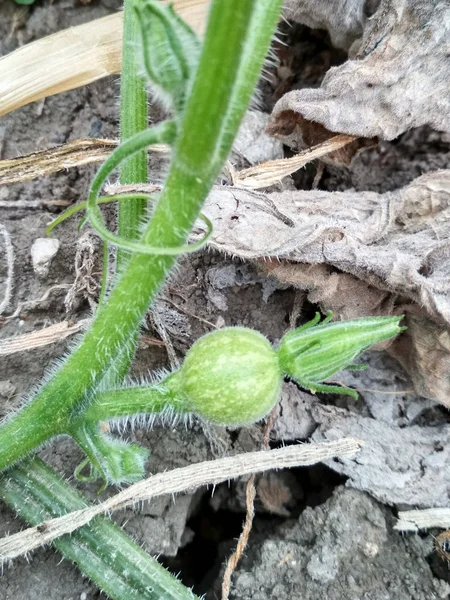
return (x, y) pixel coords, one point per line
(157, 398)
(202, 144)
(32, 488)
(133, 119)
(101, 550)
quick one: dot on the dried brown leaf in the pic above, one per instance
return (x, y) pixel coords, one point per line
(299, 133)
(343, 19)
(424, 352)
(395, 242)
(397, 76)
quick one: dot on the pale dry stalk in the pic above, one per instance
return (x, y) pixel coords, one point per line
(83, 152)
(9, 259)
(47, 162)
(416, 520)
(74, 57)
(250, 495)
(179, 480)
(271, 172)
(43, 337)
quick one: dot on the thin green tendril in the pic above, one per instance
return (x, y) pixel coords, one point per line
(163, 133)
(73, 210)
(84, 478)
(139, 196)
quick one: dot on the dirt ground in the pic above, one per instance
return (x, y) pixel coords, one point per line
(319, 532)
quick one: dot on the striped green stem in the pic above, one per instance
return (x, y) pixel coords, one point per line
(101, 550)
(133, 119)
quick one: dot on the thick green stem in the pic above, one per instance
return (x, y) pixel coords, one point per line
(133, 118)
(200, 149)
(264, 21)
(101, 550)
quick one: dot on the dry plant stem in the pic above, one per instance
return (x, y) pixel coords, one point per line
(81, 152)
(9, 259)
(47, 162)
(74, 57)
(416, 520)
(273, 171)
(250, 495)
(42, 337)
(179, 480)
(233, 561)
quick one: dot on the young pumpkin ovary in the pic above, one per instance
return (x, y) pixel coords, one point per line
(230, 377)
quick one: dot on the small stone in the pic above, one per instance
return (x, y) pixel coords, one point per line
(43, 251)
(220, 322)
(7, 389)
(371, 549)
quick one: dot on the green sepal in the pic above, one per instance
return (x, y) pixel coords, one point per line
(328, 389)
(314, 352)
(170, 50)
(114, 460)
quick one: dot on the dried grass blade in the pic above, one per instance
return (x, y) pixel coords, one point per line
(271, 172)
(83, 152)
(43, 337)
(47, 162)
(73, 57)
(179, 480)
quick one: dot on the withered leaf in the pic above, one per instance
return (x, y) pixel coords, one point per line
(397, 76)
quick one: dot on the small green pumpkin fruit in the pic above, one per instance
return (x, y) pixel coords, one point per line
(230, 377)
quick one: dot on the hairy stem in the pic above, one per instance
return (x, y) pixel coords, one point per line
(199, 152)
(135, 400)
(101, 550)
(133, 118)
